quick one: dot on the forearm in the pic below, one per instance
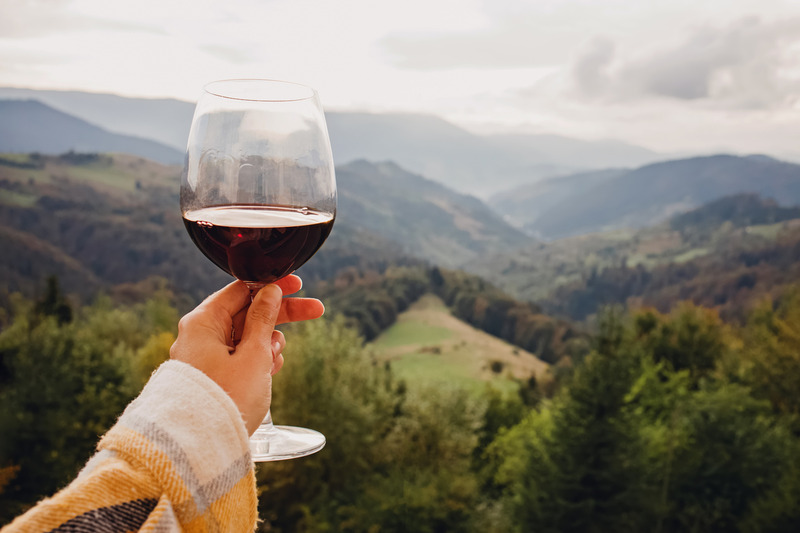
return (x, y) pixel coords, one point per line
(177, 459)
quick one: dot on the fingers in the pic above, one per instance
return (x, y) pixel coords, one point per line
(292, 310)
(290, 284)
(231, 298)
(213, 318)
(238, 325)
(297, 309)
(261, 317)
(278, 344)
(236, 296)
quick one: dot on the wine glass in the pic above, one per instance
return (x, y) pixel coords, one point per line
(258, 197)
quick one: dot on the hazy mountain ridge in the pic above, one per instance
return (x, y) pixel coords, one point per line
(602, 201)
(423, 144)
(164, 120)
(31, 126)
(437, 149)
(523, 206)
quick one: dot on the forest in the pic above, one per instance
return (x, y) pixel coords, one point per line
(668, 422)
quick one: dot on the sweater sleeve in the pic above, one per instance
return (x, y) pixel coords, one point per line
(177, 459)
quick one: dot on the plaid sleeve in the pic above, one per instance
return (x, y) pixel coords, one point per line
(177, 460)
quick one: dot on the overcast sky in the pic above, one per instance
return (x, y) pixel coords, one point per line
(671, 75)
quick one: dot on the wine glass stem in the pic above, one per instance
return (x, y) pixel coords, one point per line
(254, 287)
(259, 441)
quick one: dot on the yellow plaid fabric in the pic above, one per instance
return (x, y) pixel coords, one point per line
(177, 460)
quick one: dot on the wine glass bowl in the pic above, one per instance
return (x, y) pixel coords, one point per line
(258, 198)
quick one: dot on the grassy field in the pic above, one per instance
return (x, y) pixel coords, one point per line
(428, 345)
(113, 173)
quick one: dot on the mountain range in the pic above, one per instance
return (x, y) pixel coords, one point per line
(622, 188)
(424, 144)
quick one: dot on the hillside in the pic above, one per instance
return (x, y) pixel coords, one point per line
(725, 254)
(428, 344)
(116, 218)
(30, 126)
(426, 219)
(597, 202)
(731, 280)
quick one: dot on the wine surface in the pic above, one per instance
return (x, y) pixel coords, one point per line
(258, 243)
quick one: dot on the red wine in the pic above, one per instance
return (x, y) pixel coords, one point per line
(258, 243)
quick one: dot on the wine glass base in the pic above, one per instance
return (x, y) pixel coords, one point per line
(284, 442)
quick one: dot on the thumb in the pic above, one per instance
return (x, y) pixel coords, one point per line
(261, 318)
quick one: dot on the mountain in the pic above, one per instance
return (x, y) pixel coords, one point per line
(423, 144)
(728, 254)
(424, 218)
(165, 120)
(435, 148)
(594, 202)
(739, 211)
(31, 126)
(523, 206)
(107, 220)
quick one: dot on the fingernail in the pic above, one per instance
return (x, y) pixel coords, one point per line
(276, 348)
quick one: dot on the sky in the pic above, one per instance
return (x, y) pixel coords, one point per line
(670, 75)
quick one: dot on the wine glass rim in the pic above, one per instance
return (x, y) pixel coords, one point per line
(308, 92)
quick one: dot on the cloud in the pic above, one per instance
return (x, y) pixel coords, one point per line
(590, 70)
(748, 64)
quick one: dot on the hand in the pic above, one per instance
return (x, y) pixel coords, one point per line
(243, 365)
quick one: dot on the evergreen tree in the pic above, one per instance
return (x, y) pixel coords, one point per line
(585, 475)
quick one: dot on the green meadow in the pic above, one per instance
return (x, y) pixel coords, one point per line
(428, 345)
